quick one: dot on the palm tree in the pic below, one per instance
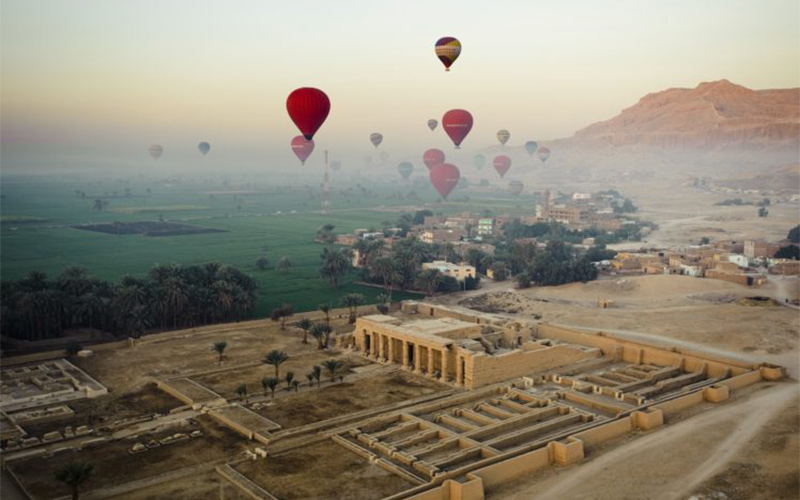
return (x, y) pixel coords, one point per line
(241, 390)
(289, 378)
(74, 474)
(284, 264)
(262, 263)
(383, 303)
(352, 301)
(296, 385)
(317, 371)
(220, 348)
(335, 264)
(321, 332)
(310, 376)
(305, 324)
(429, 280)
(332, 365)
(98, 205)
(276, 358)
(269, 383)
(325, 307)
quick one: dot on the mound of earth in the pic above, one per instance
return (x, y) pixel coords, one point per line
(147, 228)
(500, 302)
(758, 302)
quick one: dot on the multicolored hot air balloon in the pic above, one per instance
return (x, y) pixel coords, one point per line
(515, 187)
(479, 161)
(156, 150)
(204, 147)
(544, 154)
(375, 138)
(444, 178)
(308, 108)
(433, 157)
(503, 136)
(432, 124)
(447, 50)
(457, 123)
(531, 147)
(302, 148)
(336, 165)
(501, 163)
(405, 168)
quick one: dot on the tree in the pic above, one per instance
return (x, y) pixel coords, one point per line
(270, 383)
(788, 252)
(98, 205)
(296, 385)
(73, 348)
(284, 264)
(289, 379)
(325, 308)
(336, 262)
(311, 377)
(499, 270)
(705, 240)
(352, 301)
(305, 324)
(317, 371)
(763, 212)
(241, 390)
(628, 206)
(281, 313)
(429, 280)
(262, 263)
(219, 347)
(333, 366)
(794, 234)
(321, 333)
(74, 474)
(276, 358)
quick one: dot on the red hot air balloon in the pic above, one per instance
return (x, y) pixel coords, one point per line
(308, 108)
(444, 178)
(501, 163)
(302, 148)
(457, 123)
(544, 154)
(433, 157)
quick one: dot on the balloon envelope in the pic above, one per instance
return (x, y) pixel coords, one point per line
(501, 163)
(531, 147)
(308, 108)
(503, 136)
(156, 150)
(479, 161)
(544, 154)
(302, 148)
(444, 178)
(433, 157)
(375, 138)
(405, 169)
(457, 123)
(432, 124)
(204, 147)
(515, 187)
(447, 50)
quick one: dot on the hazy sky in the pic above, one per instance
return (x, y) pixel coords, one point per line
(94, 82)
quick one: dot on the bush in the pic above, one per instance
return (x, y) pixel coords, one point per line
(73, 348)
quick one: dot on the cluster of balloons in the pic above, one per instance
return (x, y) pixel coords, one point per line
(156, 150)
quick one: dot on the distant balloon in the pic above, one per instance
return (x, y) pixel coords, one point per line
(376, 139)
(156, 150)
(479, 161)
(457, 123)
(433, 157)
(336, 165)
(302, 148)
(444, 178)
(515, 187)
(308, 108)
(405, 169)
(501, 163)
(384, 156)
(544, 154)
(503, 136)
(447, 50)
(432, 124)
(531, 147)
(204, 148)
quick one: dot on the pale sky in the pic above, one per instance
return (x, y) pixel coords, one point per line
(88, 83)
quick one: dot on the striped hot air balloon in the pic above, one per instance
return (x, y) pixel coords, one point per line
(404, 169)
(447, 50)
(503, 136)
(432, 124)
(376, 139)
(544, 154)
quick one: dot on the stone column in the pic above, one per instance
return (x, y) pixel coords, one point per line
(381, 347)
(444, 365)
(430, 361)
(405, 353)
(391, 350)
(459, 370)
(375, 340)
(363, 343)
(417, 358)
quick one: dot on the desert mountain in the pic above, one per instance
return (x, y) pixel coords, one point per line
(713, 115)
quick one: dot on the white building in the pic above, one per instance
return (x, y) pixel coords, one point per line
(457, 271)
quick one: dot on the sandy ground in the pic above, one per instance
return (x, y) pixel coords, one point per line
(209, 485)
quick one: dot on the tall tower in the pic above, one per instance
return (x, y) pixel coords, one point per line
(326, 188)
(546, 203)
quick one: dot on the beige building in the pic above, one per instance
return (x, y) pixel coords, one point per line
(450, 235)
(458, 271)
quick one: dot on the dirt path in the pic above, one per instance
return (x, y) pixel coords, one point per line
(668, 463)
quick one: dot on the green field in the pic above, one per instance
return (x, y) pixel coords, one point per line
(37, 215)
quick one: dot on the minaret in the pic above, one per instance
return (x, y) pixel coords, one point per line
(326, 188)
(546, 204)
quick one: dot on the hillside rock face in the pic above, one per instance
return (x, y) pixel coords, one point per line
(713, 115)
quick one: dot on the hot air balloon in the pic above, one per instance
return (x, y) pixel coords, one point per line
(302, 148)
(479, 161)
(433, 157)
(544, 154)
(531, 147)
(457, 123)
(308, 108)
(376, 139)
(444, 178)
(501, 163)
(336, 165)
(156, 150)
(432, 124)
(405, 169)
(503, 136)
(448, 50)
(204, 147)
(515, 187)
